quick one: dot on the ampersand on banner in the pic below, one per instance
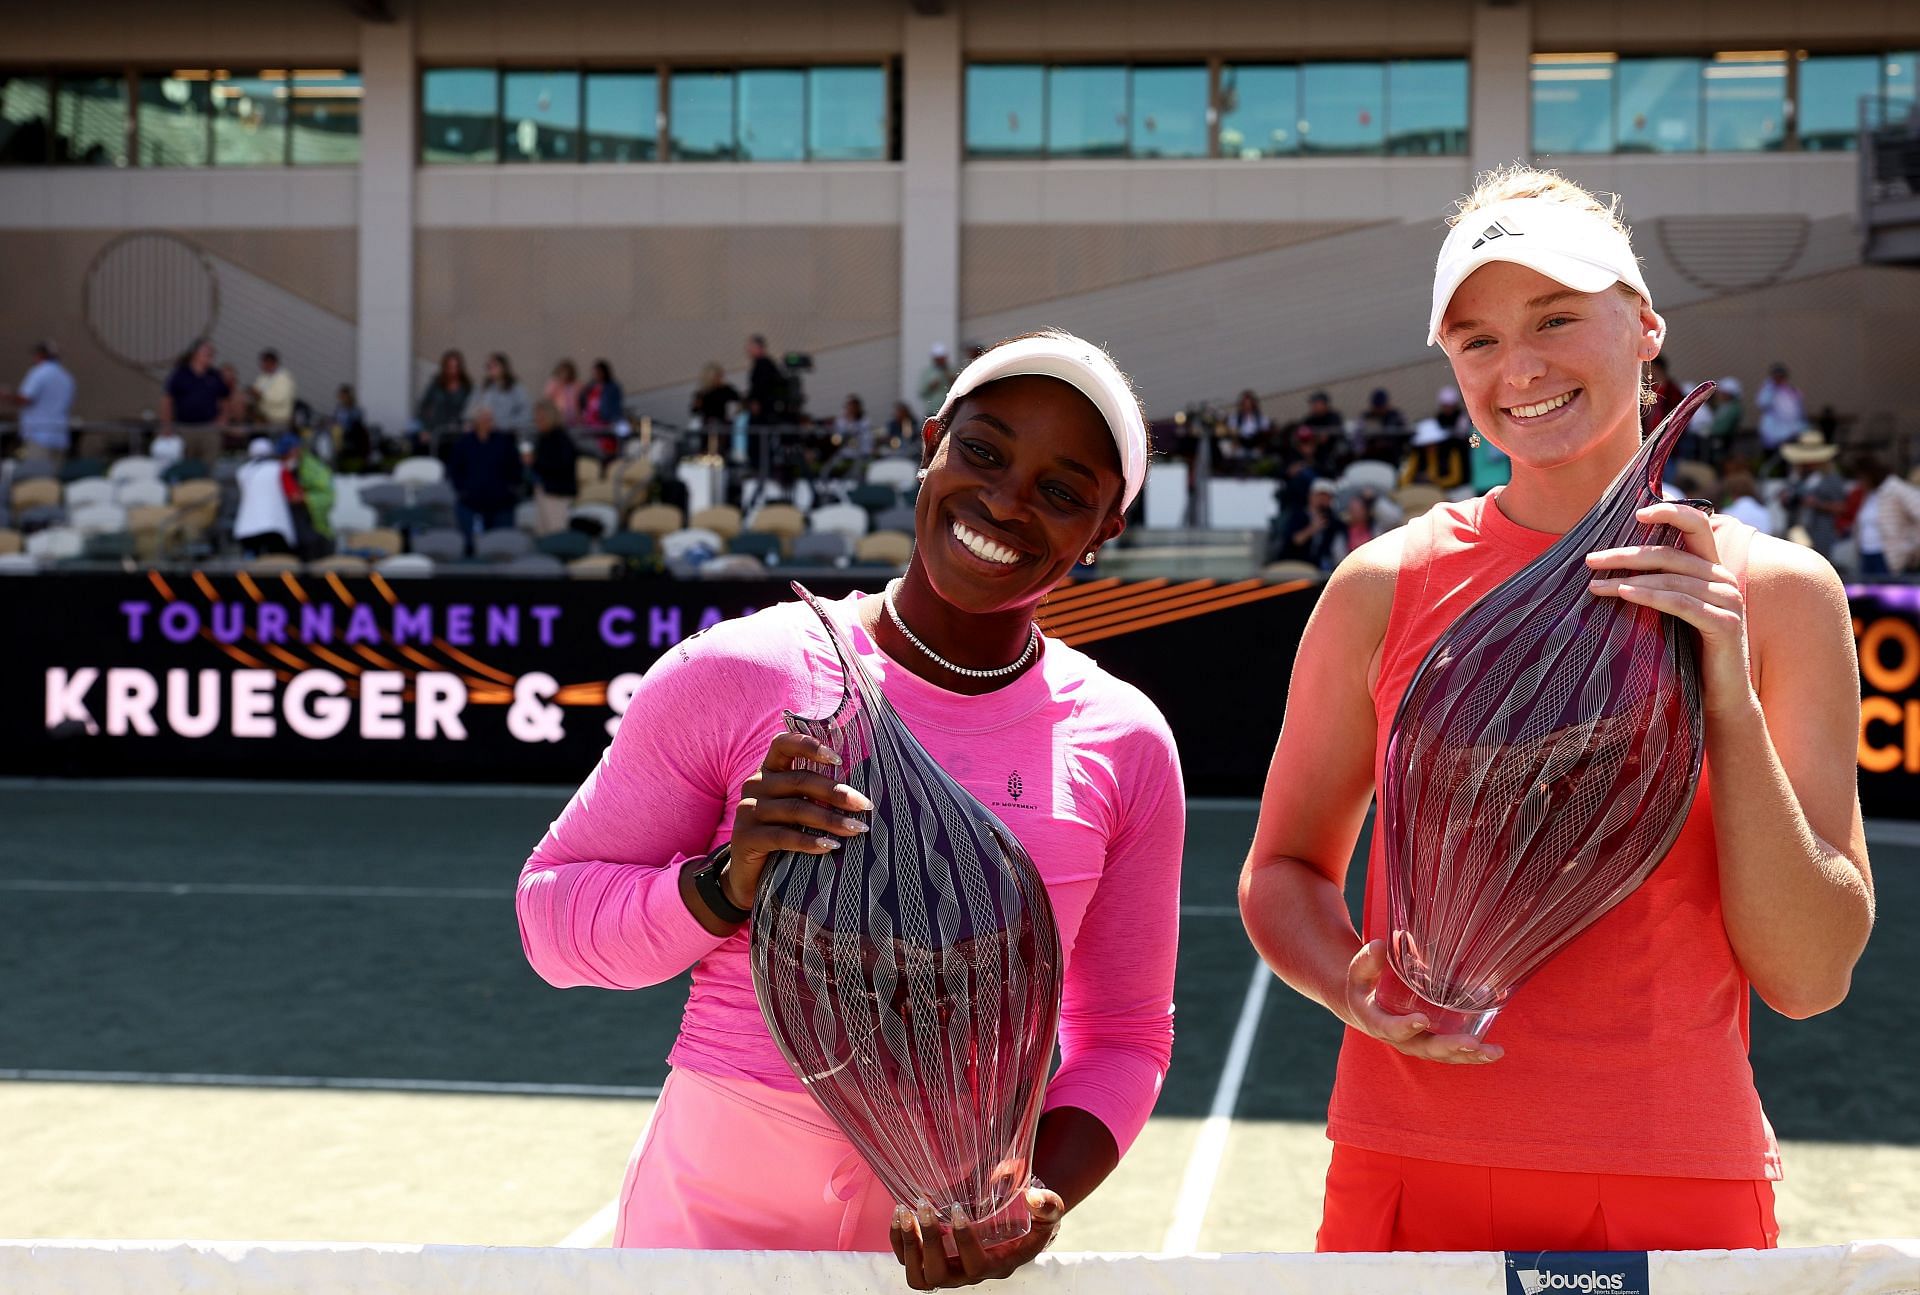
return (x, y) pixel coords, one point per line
(532, 718)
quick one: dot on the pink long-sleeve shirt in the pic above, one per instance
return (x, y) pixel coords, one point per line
(1079, 765)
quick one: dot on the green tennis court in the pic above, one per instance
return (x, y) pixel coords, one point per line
(300, 1011)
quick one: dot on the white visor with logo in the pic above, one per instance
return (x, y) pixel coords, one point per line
(1580, 249)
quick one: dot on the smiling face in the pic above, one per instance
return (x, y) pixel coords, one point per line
(1548, 374)
(1025, 482)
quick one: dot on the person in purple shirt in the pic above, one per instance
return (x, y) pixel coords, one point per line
(194, 397)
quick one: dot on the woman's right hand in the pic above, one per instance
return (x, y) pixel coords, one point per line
(787, 808)
(1408, 1034)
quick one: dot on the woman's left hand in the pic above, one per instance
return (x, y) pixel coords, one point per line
(917, 1244)
(1688, 583)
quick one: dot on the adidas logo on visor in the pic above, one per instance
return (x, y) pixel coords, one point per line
(1493, 231)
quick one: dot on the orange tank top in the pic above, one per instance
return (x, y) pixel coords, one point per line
(1627, 1053)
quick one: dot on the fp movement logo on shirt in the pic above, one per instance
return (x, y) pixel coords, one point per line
(1581, 1272)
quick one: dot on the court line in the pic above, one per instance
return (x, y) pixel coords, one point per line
(595, 1230)
(190, 1080)
(1203, 1165)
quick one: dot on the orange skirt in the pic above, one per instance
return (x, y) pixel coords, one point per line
(1378, 1202)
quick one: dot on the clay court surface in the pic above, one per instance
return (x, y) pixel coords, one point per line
(300, 1012)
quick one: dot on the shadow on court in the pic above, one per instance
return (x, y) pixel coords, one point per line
(112, 967)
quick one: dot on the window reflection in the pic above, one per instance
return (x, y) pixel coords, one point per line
(622, 112)
(460, 115)
(700, 115)
(1169, 112)
(90, 121)
(1427, 107)
(1340, 108)
(26, 120)
(326, 117)
(1006, 109)
(1259, 110)
(1746, 101)
(847, 114)
(250, 118)
(1573, 103)
(773, 115)
(540, 116)
(1087, 111)
(175, 115)
(1658, 105)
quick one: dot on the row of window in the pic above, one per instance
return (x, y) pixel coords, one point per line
(1244, 110)
(836, 114)
(183, 117)
(1744, 101)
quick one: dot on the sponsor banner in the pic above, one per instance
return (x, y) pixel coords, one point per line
(1577, 1272)
(1886, 630)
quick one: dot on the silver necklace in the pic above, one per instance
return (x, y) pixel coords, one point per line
(1033, 644)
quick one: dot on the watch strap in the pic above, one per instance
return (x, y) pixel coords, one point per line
(706, 881)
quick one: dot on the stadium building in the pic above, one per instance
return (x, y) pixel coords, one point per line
(1230, 194)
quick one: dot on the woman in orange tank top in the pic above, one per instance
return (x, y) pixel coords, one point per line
(1613, 1107)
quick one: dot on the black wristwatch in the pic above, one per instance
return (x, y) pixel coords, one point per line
(706, 880)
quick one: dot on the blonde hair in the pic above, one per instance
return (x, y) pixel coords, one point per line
(1519, 180)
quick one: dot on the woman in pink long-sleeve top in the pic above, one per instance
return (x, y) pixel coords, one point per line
(1031, 464)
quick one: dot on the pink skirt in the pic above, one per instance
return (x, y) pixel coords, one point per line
(729, 1164)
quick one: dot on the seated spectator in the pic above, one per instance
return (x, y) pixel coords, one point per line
(502, 396)
(346, 429)
(1887, 529)
(1437, 457)
(563, 390)
(1740, 499)
(1816, 494)
(273, 392)
(603, 403)
(1361, 522)
(1317, 538)
(556, 470)
(443, 405)
(308, 484)
(1250, 426)
(486, 472)
(1382, 430)
(264, 520)
(903, 429)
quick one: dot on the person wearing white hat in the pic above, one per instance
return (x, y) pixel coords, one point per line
(1614, 1106)
(1031, 461)
(263, 523)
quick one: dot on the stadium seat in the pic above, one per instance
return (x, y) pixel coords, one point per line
(1415, 500)
(587, 471)
(151, 526)
(595, 566)
(35, 468)
(340, 564)
(134, 466)
(111, 546)
(351, 514)
(1370, 474)
(890, 547)
(656, 519)
(98, 519)
(1276, 572)
(898, 472)
(783, 520)
(88, 490)
(895, 519)
(629, 475)
(198, 504)
(419, 470)
(140, 491)
(502, 546)
(39, 492)
(384, 496)
(526, 516)
(18, 564)
(39, 518)
(757, 545)
(722, 519)
(691, 544)
(604, 519)
(822, 548)
(597, 492)
(733, 564)
(436, 495)
(874, 498)
(539, 565)
(384, 541)
(441, 543)
(848, 519)
(405, 564)
(78, 469)
(271, 564)
(565, 545)
(56, 542)
(630, 546)
(9, 542)
(412, 518)
(184, 470)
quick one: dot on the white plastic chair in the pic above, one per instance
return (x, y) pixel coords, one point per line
(134, 466)
(88, 490)
(56, 542)
(140, 492)
(419, 470)
(681, 544)
(98, 519)
(847, 519)
(898, 473)
(405, 565)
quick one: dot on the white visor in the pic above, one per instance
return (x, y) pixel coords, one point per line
(1580, 249)
(1085, 367)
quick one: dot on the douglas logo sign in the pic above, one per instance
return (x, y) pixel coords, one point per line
(1577, 1272)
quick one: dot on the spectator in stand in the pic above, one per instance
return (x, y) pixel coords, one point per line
(485, 470)
(563, 389)
(45, 399)
(352, 439)
(768, 400)
(1783, 410)
(1382, 431)
(504, 397)
(1438, 454)
(1361, 523)
(901, 427)
(195, 404)
(273, 392)
(714, 398)
(1816, 495)
(236, 411)
(935, 379)
(1740, 499)
(443, 405)
(603, 403)
(264, 521)
(308, 484)
(1887, 528)
(1294, 496)
(1251, 430)
(1317, 538)
(556, 470)
(1728, 412)
(1667, 396)
(1323, 418)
